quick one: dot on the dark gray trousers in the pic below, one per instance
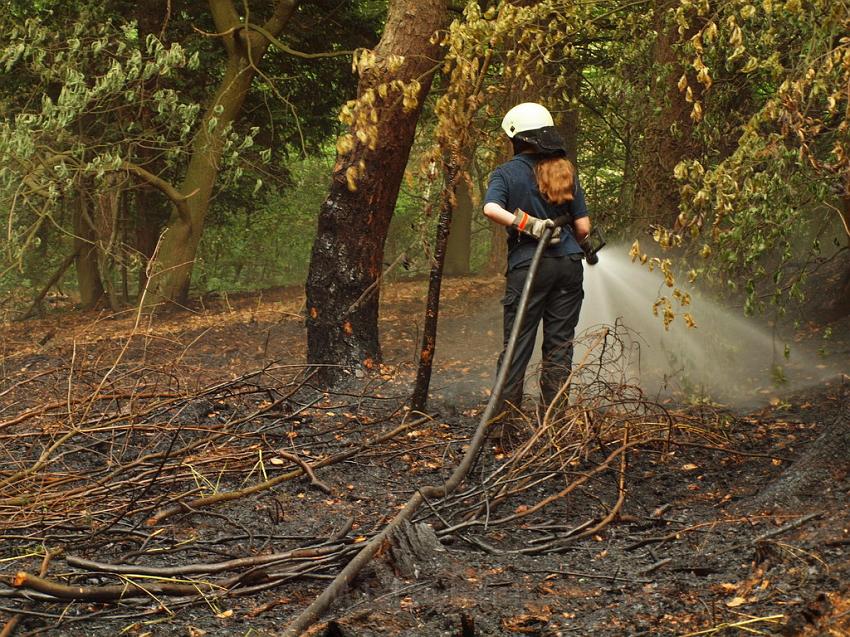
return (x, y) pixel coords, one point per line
(556, 298)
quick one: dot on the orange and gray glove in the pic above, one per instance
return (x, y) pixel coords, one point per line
(534, 227)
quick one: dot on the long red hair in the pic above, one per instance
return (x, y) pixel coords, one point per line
(555, 179)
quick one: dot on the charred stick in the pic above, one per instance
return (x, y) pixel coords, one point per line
(12, 624)
(113, 592)
(307, 469)
(197, 569)
(787, 527)
(610, 578)
(654, 567)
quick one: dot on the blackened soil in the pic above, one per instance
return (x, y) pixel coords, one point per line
(695, 550)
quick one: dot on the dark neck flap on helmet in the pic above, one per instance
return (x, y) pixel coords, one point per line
(542, 141)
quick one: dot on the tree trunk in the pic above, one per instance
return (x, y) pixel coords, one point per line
(150, 215)
(569, 122)
(666, 137)
(460, 237)
(821, 468)
(342, 283)
(172, 270)
(432, 310)
(85, 247)
(839, 307)
(106, 217)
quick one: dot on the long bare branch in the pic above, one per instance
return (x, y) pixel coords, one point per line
(176, 197)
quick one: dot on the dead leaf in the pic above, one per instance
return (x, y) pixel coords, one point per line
(736, 601)
(525, 623)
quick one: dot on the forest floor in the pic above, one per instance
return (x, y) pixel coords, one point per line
(121, 449)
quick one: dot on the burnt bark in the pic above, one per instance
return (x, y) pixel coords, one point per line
(432, 311)
(342, 318)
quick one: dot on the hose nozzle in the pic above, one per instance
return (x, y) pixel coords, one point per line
(591, 245)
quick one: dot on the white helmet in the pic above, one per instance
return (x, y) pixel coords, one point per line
(531, 125)
(526, 117)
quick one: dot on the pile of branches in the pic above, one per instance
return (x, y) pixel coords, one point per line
(112, 459)
(600, 417)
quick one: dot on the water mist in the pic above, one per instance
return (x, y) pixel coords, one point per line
(727, 358)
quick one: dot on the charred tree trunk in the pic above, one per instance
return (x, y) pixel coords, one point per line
(429, 331)
(85, 249)
(821, 469)
(342, 283)
(172, 270)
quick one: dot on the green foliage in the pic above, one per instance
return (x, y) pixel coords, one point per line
(268, 244)
(91, 101)
(773, 77)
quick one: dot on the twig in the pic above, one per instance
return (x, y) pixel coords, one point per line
(307, 469)
(654, 567)
(197, 569)
(612, 578)
(787, 527)
(741, 624)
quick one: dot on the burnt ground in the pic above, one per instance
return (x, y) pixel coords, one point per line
(720, 531)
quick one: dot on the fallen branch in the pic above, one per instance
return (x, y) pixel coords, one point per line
(787, 527)
(12, 624)
(307, 469)
(113, 592)
(610, 578)
(50, 283)
(655, 566)
(197, 569)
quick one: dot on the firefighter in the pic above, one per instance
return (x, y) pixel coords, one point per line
(526, 194)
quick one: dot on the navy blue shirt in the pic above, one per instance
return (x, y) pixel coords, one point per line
(513, 185)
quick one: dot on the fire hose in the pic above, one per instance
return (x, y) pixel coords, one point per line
(343, 580)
